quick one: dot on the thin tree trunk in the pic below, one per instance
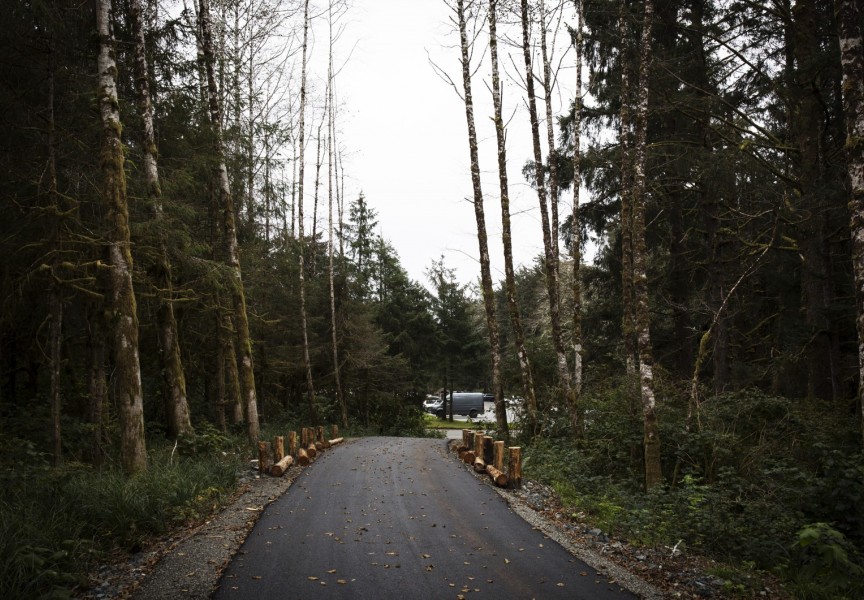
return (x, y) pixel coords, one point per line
(849, 14)
(628, 306)
(307, 362)
(173, 378)
(331, 181)
(482, 239)
(552, 159)
(127, 370)
(551, 260)
(651, 443)
(576, 227)
(231, 251)
(530, 398)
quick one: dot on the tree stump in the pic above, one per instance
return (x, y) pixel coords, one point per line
(498, 455)
(292, 443)
(302, 457)
(514, 468)
(278, 448)
(487, 449)
(265, 457)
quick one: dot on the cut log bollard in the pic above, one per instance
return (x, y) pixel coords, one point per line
(319, 446)
(304, 437)
(265, 457)
(292, 443)
(497, 476)
(278, 470)
(334, 432)
(468, 457)
(319, 436)
(487, 449)
(498, 455)
(302, 457)
(465, 434)
(278, 448)
(312, 451)
(335, 441)
(514, 468)
(479, 465)
(478, 445)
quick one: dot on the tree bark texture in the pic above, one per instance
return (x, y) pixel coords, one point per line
(482, 239)
(126, 379)
(551, 260)
(849, 14)
(651, 443)
(229, 236)
(576, 231)
(307, 361)
(173, 377)
(530, 398)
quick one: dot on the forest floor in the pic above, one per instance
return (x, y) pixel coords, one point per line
(188, 562)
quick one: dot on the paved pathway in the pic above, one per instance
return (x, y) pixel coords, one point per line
(400, 518)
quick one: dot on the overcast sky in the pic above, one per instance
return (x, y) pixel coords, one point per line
(405, 137)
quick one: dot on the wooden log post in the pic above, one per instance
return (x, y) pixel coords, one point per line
(487, 449)
(304, 437)
(292, 443)
(265, 457)
(334, 431)
(465, 434)
(514, 468)
(311, 450)
(319, 436)
(497, 476)
(278, 448)
(498, 455)
(278, 470)
(319, 446)
(468, 456)
(478, 445)
(302, 457)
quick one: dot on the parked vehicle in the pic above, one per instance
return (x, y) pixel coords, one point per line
(469, 404)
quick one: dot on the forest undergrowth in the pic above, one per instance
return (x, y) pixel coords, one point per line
(760, 483)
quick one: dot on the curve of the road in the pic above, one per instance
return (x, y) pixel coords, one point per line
(399, 518)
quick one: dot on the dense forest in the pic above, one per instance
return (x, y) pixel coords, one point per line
(182, 268)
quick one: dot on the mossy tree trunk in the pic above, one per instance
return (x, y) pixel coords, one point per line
(231, 253)
(173, 377)
(126, 375)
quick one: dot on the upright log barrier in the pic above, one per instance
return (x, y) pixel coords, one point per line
(486, 455)
(274, 460)
(265, 457)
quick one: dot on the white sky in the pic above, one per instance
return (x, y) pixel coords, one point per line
(405, 137)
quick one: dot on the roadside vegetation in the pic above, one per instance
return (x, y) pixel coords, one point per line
(764, 484)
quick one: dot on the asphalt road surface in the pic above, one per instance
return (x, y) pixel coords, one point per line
(400, 518)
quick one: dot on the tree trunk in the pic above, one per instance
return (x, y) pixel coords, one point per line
(628, 319)
(651, 444)
(127, 370)
(552, 159)
(229, 238)
(307, 362)
(331, 136)
(530, 398)
(849, 15)
(551, 260)
(822, 350)
(173, 378)
(576, 229)
(482, 239)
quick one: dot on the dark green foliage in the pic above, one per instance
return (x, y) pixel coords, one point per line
(738, 489)
(55, 523)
